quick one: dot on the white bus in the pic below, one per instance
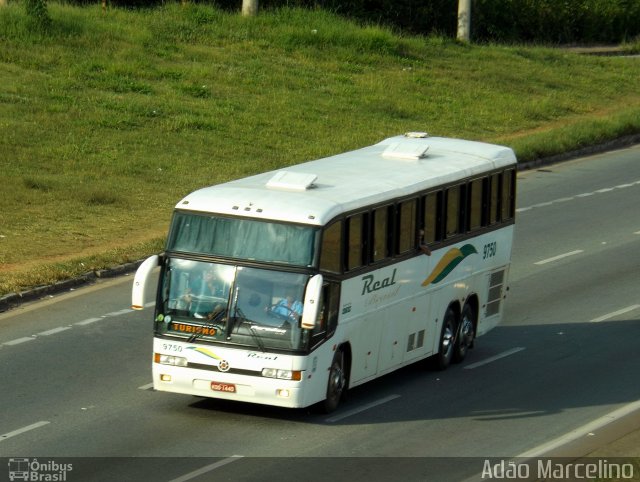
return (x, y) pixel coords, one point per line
(289, 287)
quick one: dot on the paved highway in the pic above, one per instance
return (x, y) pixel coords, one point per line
(76, 369)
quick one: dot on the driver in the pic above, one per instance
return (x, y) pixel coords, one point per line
(288, 307)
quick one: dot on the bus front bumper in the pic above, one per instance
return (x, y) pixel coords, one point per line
(241, 388)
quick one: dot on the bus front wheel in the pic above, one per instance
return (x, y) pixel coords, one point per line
(447, 340)
(466, 334)
(336, 384)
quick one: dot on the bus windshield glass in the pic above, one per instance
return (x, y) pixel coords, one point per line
(232, 304)
(246, 239)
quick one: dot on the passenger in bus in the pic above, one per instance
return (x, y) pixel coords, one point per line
(421, 243)
(199, 296)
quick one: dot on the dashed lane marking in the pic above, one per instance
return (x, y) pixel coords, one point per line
(22, 430)
(613, 314)
(53, 331)
(19, 341)
(494, 358)
(559, 257)
(207, 468)
(60, 329)
(357, 410)
(88, 321)
(582, 195)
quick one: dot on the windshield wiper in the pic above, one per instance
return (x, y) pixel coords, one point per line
(236, 311)
(256, 337)
(238, 318)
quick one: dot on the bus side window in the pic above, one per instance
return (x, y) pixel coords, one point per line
(475, 202)
(406, 220)
(380, 231)
(356, 241)
(332, 302)
(331, 252)
(452, 211)
(507, 204)
(327, 315)
(494, 204)
(431, 218)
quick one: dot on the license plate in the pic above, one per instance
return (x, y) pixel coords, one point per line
(223, 387)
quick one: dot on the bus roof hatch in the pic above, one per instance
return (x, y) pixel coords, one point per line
(294, 181)
(410, 149)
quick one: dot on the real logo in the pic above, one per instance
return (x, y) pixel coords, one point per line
(371, 284)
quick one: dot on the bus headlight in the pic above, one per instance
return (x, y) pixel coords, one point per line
(176, 361)
(282, 374)
(289, 375)
(269, 372)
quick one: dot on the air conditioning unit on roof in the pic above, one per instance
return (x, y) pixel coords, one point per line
(293, 181)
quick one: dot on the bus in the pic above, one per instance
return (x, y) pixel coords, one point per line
(289, 287)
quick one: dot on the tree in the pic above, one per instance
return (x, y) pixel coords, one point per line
(249, 8)
(464, 20)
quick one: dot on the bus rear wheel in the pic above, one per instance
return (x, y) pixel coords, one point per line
(447, 340)
(336, 384)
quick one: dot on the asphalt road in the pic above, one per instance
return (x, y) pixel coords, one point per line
(560, 376)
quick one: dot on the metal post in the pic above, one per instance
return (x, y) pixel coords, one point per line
(464, 20)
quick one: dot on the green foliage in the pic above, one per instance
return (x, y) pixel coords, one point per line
(554, 21)
(539, 21)
(111, 117)
(37, 11)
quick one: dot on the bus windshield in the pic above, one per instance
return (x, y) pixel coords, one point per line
(240, 238)
(232, 304)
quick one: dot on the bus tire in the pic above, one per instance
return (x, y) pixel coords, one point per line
(446, 346)
(337, 383)
(466, 334)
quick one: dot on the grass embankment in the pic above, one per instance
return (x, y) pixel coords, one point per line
(109, 118)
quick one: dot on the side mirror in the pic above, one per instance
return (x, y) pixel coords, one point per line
(312, 302)
(140, 281)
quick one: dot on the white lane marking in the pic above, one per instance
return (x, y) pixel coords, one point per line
(207, 468)
(361, 409)
(494, 358)
(582, 195)
(59, 329)
(591, 427)
(118, 313)
(615, 313)
(545, 448)
(53, 331)
(88, 321)
(19, 340)
(33, 426)
(146, 387)
(560, 256)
